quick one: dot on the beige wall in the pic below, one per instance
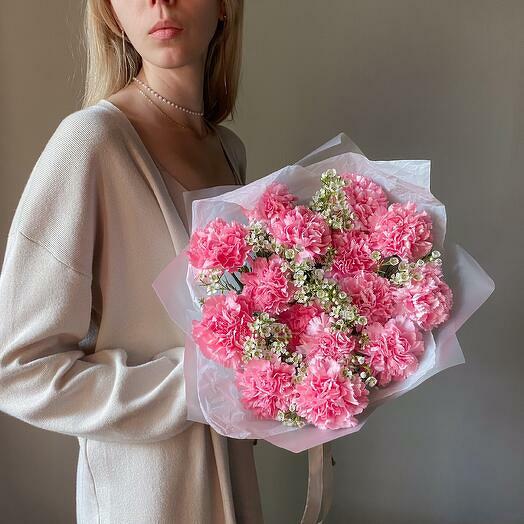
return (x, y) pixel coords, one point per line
(440, 80)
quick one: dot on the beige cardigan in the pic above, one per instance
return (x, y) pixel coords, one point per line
(86, 347)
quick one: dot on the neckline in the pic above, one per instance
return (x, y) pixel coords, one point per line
(159, 168)
(171, 178)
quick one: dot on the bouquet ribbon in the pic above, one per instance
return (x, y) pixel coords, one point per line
(320, 484)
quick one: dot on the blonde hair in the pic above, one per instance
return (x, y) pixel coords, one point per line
(108, 70)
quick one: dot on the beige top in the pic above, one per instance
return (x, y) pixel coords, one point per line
(86, 347)
(177, 190)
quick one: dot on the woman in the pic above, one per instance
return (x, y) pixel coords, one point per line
(86, 347)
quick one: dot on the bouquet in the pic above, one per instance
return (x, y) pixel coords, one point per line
(315, 294)
(315, 304)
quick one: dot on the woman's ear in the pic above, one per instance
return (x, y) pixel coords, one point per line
(221, 10)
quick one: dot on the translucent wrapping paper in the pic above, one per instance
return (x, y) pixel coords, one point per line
(211, 393)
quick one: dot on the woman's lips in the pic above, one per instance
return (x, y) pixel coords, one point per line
(165, 33)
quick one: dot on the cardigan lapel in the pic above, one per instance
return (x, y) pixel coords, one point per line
(177, 231)
(176, 227)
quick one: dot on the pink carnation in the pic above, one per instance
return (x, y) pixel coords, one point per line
(393, 349)
(427, 302)
(320, 323)
(266, 386)
(302, 227)
(365, 197)
(275, 201)
(328, 399)
(336, 345)
(402, 231)
(353, 253)
(218, 245)
(371, 293)
(297, 317)
(267, 286)
(221, 333)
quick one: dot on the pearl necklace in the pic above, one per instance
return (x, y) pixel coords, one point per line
(166, 101)
(171, 118)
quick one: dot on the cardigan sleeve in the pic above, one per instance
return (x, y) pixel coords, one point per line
(46, 378)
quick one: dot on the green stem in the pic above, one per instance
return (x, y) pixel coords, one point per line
(239, 282)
